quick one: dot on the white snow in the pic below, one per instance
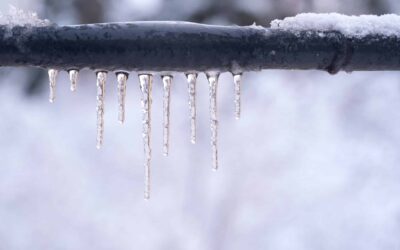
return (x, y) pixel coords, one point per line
(351, 26)
(19, 17)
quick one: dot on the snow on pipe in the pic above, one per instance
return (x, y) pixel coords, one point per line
(165, 47)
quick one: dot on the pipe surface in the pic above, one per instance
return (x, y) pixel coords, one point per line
(191, 47)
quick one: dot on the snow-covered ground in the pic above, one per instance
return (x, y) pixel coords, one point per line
(312, 164)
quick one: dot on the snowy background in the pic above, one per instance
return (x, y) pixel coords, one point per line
(314, 163)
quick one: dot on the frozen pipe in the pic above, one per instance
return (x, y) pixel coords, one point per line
(191, 47)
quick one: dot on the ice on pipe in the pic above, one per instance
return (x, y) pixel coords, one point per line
(350, 26)
(73, 78)
(237, 80)
(167, 81)
(18, 17)
(52, 84)
(122, 78)
(191, 78)
(146, 81)
(100, 83)
(213, 85)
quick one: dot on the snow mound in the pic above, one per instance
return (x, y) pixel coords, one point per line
(18, 17)
(350, 26)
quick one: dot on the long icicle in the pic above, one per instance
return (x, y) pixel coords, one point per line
(191, 78)
(121, 78)
(237, 80)
(213, 85)
(101, 81)
(73, 78)
(145, 86)
(52, 84)
(167, 81)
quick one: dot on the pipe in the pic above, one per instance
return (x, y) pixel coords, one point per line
(191, 47)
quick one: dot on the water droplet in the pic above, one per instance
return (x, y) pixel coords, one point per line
(145, 87)
(73, 78)
(191, 78)
(237, 79)
(101, 81)
(52, 83)
(213, 85)
(167, 81)
(121, 78)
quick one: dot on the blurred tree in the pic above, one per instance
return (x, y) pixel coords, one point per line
(227, 10)
(377, 7)
(89, 11)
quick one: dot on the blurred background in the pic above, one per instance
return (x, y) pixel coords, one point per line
(314, 162)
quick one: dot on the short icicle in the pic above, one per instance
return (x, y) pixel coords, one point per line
(101, 81)
(73, 78)
(167, 81)
(122, 79)
(191, 78)
(213, 85)
(52, 84)
(237, 80)
(145, 87)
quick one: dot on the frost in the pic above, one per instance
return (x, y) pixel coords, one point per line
(350, 26)
(18, 17)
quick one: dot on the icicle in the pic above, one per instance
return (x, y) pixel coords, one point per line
(237, 78)
(101, 81)
(73, 77)
(121, 78)
(213, 85)
(191, 78)
(167, 80)
(145, 86)
(52, 80)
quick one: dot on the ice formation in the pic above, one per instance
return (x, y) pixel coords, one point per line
(52, 84)
(237, 80)
(73, 78)
(213, 86)
(101, 81)
(167, 81)
(146, 82)
(191, 78)
(121, 78)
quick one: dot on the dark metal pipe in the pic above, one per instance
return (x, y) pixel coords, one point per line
(185, 47)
